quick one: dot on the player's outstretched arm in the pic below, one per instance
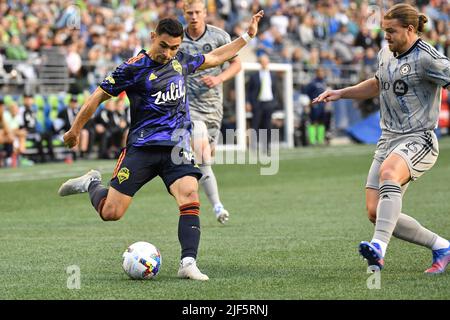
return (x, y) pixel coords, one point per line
(228, 51)
(364, 90)
(71, 137)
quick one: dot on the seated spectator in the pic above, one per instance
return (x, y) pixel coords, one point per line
(306, 32)
(123, 112)
(19, 135)
(280, 22)
(6, 139)
(15, 50)
(109, 130)
(65, 120)
(35, 131)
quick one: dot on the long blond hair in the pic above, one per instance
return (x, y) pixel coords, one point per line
(407, 15)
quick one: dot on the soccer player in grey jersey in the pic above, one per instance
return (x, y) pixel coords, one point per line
(409, 80)
(204, 89)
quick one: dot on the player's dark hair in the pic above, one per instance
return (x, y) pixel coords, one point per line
(407, 15)
(170, 26)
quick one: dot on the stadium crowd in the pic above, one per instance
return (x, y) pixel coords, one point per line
(94, 36)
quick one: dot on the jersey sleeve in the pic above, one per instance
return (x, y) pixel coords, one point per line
(224, 39)
(120, 80)
(377, 73)
(437, 70)
(194, 62)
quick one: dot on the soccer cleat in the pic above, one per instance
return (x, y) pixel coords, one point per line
(189, 270)
(372, 253)
(80, 184)
(441, 259)
(222, 215)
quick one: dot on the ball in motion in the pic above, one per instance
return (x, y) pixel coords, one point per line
(141, 260)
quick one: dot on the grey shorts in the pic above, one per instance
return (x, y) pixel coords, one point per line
(420, 150)
(206, 124)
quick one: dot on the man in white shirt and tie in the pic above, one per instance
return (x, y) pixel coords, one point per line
(261, 96)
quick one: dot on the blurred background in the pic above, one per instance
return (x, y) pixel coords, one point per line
(53, 54)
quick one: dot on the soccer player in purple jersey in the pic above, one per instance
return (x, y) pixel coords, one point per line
(159, 138)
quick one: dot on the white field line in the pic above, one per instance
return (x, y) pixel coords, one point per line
(47, 172)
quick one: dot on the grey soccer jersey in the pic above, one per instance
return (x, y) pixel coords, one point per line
(410, 87)
(201, 98)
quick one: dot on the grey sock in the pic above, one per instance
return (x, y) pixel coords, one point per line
(388, 210)
(410, 230)
(98, 194)
(209, 183)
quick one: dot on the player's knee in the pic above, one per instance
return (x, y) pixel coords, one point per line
(388, 174)
(111, 213)
(190, 194)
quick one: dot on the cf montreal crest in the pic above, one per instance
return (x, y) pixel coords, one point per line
(405, 69)
(207, 48)
(400, 88)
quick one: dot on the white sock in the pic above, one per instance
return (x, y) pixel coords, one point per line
(382, 244)
(218, 207)
(209, 184)
(440, 243)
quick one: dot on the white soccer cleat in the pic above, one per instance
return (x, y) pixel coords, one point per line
(80, 184)
(189, 270)
(222, 215)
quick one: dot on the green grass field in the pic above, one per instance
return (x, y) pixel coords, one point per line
(293, 235)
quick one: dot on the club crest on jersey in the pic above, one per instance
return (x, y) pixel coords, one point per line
(123, 175)
(405, 69)
(207, 47)
(400, 88)
(177, 66)
(110, 79)
(175, 92)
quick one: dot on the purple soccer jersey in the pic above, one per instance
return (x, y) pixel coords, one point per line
(158, 101)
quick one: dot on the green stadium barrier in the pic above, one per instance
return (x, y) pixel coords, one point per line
(39, 101)
(8, 99)
(81, 99)
(53, 101)
(66, 99)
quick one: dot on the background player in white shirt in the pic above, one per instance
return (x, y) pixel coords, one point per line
(409, 80)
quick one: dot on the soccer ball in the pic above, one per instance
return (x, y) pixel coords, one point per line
(141, 260)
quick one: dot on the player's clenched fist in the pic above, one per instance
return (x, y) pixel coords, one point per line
(71, 139)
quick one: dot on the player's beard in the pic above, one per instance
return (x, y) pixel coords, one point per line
(162, 59)
(397, 46)
(392, 47)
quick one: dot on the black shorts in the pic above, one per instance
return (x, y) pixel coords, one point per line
(138, 165)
